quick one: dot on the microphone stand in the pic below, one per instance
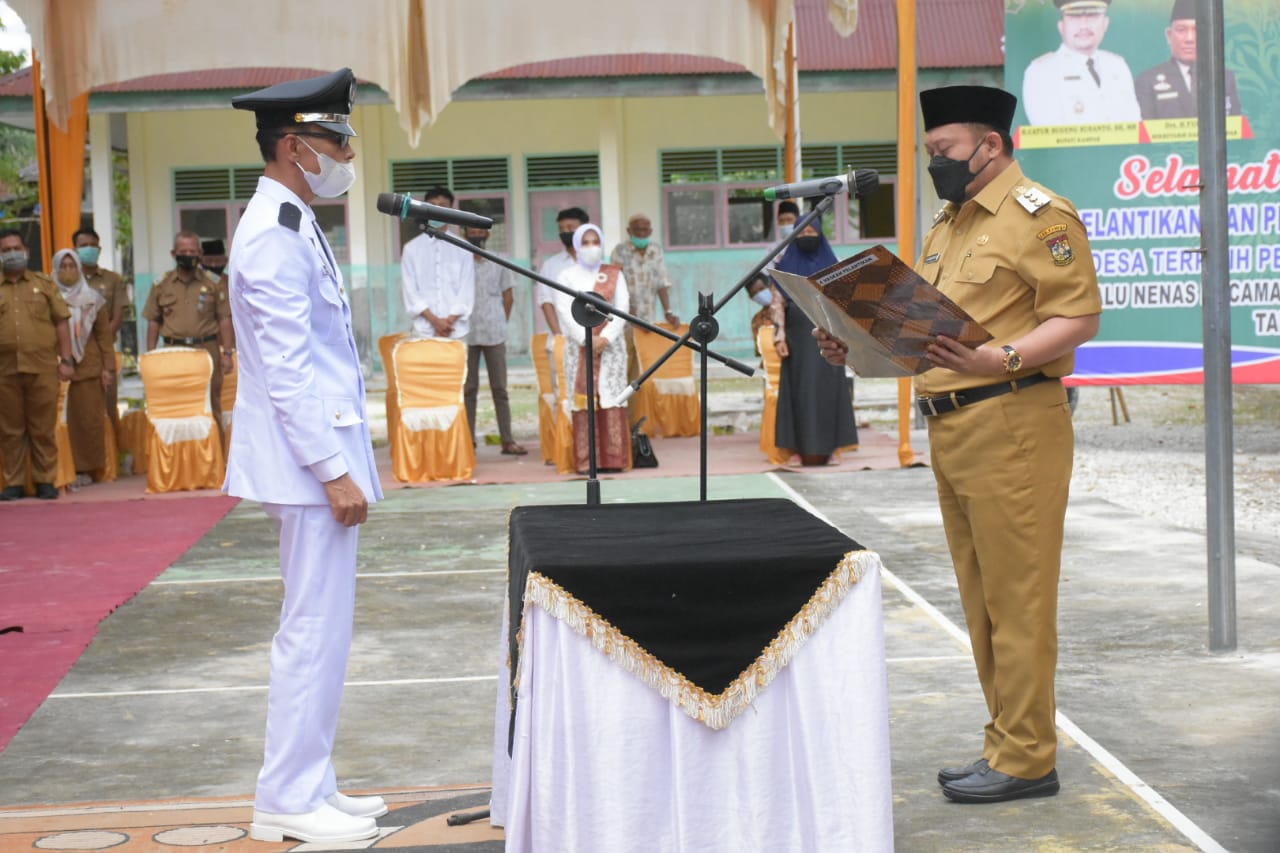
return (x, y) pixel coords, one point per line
(705, 328)
(591, 310)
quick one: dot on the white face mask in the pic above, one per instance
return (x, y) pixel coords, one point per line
(590, 255)
(784, 231)
(764, 297)
(334, 179)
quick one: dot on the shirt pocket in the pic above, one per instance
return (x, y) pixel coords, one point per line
(165, 303)
(328, 314)
(976, 270)
(341, 411)
(37, 307)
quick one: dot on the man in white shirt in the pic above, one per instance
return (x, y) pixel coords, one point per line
(1078, 83)
(437, 281)
(568, 221)
(301, 447)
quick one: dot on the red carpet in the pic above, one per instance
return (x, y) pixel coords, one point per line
(64, 567)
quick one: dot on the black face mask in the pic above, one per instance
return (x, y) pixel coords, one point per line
(952, 177)
(187, 262)
(808, 244)
(566, 237)
(478, 242)
(216, 270)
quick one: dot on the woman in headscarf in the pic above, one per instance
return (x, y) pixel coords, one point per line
(607, 343)
(815, 410)
(94, 353)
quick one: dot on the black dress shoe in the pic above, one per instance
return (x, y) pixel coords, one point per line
(46, 492)
(951, 774)
(991, 786)
(13, 493)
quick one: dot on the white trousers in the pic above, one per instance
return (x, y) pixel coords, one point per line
(308, 658)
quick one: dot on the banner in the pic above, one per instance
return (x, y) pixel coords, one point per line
(1107, 117)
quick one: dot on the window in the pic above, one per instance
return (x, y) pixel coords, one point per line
(712, 197)
(479, 185)
(210, 202)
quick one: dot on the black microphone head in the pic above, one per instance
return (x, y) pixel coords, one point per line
(867, 181)
(391, 203)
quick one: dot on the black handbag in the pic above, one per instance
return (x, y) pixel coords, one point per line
(642, 455)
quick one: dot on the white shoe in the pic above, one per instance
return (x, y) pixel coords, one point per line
(324, 824)
(357, 806)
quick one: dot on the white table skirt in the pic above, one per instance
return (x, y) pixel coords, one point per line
(601, 762)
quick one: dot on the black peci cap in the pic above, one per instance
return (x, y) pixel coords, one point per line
(968, 105)
(1183, 10)
(325, 101)
(213, 247)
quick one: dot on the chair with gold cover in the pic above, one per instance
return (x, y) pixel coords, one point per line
(546, 397)
(132, 440)
(184, 448)
(386, 347)
(229, 383)
(65, 473)
(563, 453)
(432, 439)
(672, 402)
(769, 417)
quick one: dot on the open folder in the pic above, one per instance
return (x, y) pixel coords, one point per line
(886, 313)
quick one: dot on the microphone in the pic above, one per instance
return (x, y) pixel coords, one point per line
(402, 206)
(858, 183)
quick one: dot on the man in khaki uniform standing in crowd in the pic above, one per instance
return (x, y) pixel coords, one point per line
(88, 247)
(1016, 257)
(35, 353)
(186, 309)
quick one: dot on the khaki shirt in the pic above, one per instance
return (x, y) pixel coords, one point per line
(1011, 268)
(112, 288)
(187, 305)
(30, 309)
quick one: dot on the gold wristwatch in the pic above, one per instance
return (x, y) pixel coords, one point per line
(1012, 360)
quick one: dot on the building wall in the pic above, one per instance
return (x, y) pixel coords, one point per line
(629, 134)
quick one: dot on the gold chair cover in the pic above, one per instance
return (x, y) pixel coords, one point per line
(671, 401)
(769, 417)
(432, 439)
(184, 447)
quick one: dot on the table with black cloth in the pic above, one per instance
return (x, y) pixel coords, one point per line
(691, 676)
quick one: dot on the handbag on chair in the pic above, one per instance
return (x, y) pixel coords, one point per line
(642, 455)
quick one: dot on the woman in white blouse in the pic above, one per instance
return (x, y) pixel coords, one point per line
(613, 436)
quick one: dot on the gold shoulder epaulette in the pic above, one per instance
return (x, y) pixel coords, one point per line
(942, 213)
(1033, 199)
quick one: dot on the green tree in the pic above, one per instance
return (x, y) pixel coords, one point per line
(11, 61)
(17, 151)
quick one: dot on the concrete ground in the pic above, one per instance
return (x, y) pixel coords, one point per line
(1163, 746)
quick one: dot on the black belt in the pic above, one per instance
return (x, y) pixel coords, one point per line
(932, 406)
(190, 342)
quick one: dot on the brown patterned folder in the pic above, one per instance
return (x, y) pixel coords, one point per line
(883, 310)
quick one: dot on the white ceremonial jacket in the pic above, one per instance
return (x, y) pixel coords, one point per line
(300, 416)
(1058, 89)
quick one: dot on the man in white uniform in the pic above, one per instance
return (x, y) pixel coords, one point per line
(301, 447)
(567, 221)
(1078, 83)
(437, 281)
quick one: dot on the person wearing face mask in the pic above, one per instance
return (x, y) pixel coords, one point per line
(762, 292)
(88, 246)
(186, 309)
(214, 260)
(35, 353)
(301, 447)
(437, 281)
(1016, 257)
(568, 221)
(95, 369)
(488, 337)
(815, 407)
(606, 344)
(648, 283)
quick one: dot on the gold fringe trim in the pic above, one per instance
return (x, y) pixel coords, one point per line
(719, 710)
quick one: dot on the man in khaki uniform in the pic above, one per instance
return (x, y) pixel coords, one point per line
(215, 266)
(88, 246)
(35, 353)
(186, 309)
(1016, 257)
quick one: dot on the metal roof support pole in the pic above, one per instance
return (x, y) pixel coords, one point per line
(1215, 285)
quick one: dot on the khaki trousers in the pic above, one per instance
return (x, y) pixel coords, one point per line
(1003, 468)
(28, 416)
